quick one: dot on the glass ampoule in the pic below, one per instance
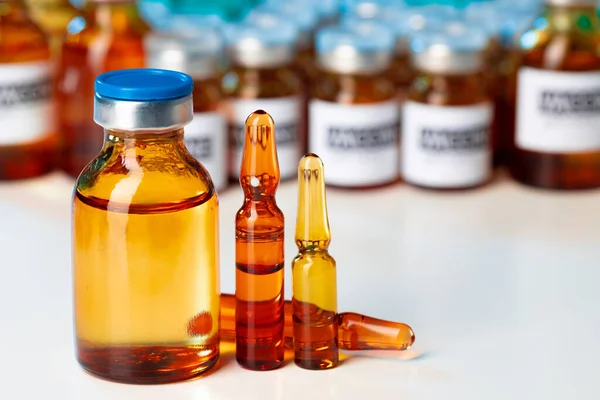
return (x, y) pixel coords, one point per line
(109, 36)
(354, 109)
(263, 75)
(53, 16)
(557, 142)
(314, 279)
(259, 251)
(145, 237)
(28, 140)
(199, 55)
(448, 115)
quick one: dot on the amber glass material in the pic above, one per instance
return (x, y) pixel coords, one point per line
(146, 261)
(52, 16)
(401, 73)
(354, 331)
(314, 282)
(503, 89)
(567, 40)
(263, 83)
(207, 95)
(23, 43)
(259, 252)
(111, 39)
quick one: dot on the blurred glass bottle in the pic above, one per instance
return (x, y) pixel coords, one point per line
(263, 76)
(108, 37)
(198, 55)
(28, 139)
(52, 16)
(557, 138)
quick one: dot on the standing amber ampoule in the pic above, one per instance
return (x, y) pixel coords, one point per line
(109, 37)
(314, 282)
(354, 331)
(557, 138)
(259, 251)
(53, 16)
(27, 131)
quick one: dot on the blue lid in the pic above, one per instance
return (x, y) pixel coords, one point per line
(428, 17)
(364, 36)
(144, 85)
(457, 36)
(378, 9)
(305, 18)
(268, 31)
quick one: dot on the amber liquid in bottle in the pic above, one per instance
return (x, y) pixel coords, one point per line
(111, 39)
(568, 42)
(259, 252)
(401, 73)
(30, 148)
(53, 16)
(146, 268)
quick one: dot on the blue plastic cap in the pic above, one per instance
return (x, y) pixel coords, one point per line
(378, 9)
(456, 35)
(428, 17)
(272, 31)
(305, 18)
(144, 85)
(364, 36)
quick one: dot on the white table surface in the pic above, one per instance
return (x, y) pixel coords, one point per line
(499, 284)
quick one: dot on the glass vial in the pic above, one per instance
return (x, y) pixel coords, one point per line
(145, 237)
(28, 140)
(354, 110)
(199, 56)
(557, 139)
(53, 16)
(108, 38)
(448, 114)
(263, 75)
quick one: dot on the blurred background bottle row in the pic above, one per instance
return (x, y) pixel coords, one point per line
(381, 89)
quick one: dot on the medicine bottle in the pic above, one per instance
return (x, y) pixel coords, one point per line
(109, 37)
(145, 237)
(448, 114)
(28, 139)
(557, 139)
(53, 16)
(199, 55)
(354, 111)
(263, 75)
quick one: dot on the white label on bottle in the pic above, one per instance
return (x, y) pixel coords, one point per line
(26, 111)
(206, 139)
(358, 143)
(446, 146)
(286, 113)
(558, 112)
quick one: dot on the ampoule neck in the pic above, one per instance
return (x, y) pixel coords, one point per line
(111, 14)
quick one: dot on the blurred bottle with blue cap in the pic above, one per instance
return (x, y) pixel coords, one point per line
(557, 139)
(198, 54)
(145, 237)
(448, 114)
(354, 110)
(264, 75)
(109, 36)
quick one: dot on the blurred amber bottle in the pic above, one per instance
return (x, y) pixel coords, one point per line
(354, 108)
(53, 16)
(110, 37)
(557, 138)
(28, 132)
(264, 75)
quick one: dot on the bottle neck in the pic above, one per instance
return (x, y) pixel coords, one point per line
(110, 14)
(143, 138)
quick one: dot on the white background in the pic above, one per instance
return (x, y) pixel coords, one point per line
(499, 284)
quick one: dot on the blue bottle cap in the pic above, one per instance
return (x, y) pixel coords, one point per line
(305, 18)
(377, 9)
(272, 31)
(363, 36)
(144, 85)
(454, 36)
(429, 17)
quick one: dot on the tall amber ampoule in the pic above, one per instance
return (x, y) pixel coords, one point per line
(354, 331)
(53, 16)
(145, 238)
(314, 282)
(108, 37)
(259, 251)
(27, 131)
(557, 139)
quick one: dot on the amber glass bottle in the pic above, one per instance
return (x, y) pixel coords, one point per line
(145, 237)
(448, 114)
(28, 138)
(557, 138)
(110, 38)
(354, 111)
(264, 75)
(52, 16)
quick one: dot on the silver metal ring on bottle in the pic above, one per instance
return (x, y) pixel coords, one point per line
(251, 53)
(347, 60)
(441, 60)
(151, 115)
